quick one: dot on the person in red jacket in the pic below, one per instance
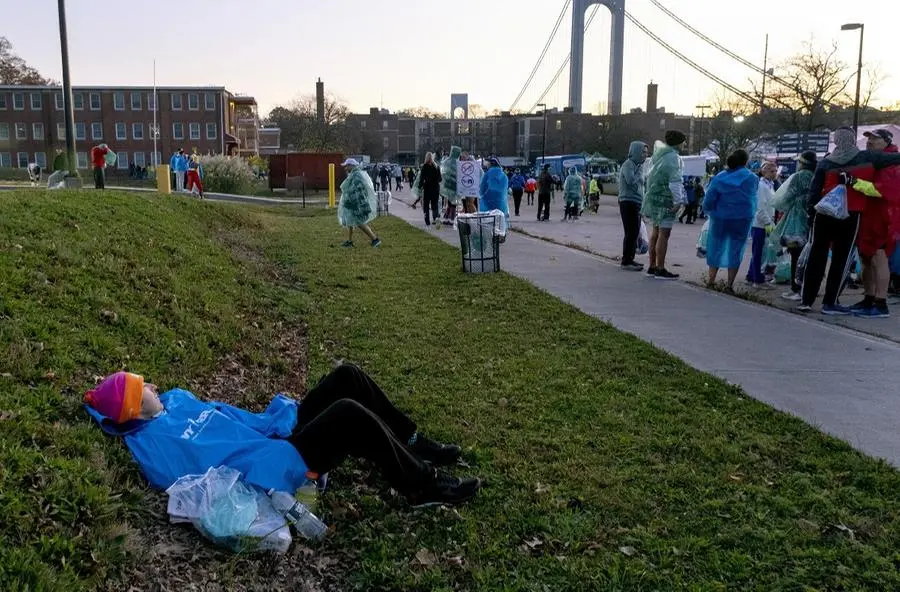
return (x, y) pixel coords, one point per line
(845, 165)
(876, 240)
(98, 162)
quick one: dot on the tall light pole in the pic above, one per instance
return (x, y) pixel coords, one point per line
(69, 114)
(544, 143)
(862, 29)
(703, 109)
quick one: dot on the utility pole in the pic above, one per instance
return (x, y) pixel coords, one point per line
(703, 109)
(762, 99)
(862, 29)
(69, 114)
(544, 143)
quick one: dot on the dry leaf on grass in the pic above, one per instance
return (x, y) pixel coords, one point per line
(426, 557)
(628, 550)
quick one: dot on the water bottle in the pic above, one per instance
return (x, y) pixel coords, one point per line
(306, 523)
(311, 488)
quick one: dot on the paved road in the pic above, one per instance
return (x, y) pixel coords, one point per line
(838, 380)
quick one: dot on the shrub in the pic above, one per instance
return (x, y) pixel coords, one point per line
(224, 174)
(13, 174)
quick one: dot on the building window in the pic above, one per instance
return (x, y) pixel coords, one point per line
(384, 125)
(385, 142)
(121, 132)
(37, 131)
(195, 131)
(135, 101)
(58, 101)
(362, 124)
(21, 131)
(210, 100)
(40, 159)
(78, 101)
(122, 160)
(139, 159)
(211, 131)
(37, 101)
(95, 101)
(19, 101)
(3, 102)
(80, 133)
(151, 101)
(5, 160)
(558, 124)
(176, 102)
(81, 160)
(137, 131)
(22, 160)
(96, 131)
(4, 131)
(119, 101)
(193, 101)
(178, 130)
(60, 131)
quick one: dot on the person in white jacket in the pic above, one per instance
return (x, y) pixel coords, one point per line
(763, 224)
(398, 177)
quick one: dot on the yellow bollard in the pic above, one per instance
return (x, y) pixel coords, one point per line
(331, 185)
(163, 179)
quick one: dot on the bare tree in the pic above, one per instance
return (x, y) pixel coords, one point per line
(734, 125)
(421, 113)
(814, 88)
(302, 128)
(14, 70)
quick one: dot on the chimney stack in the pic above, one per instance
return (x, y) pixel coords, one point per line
(652, 92)
(320, 101)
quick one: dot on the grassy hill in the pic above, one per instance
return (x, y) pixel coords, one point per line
(610, 465)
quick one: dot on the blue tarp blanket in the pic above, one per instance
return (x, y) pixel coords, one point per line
(191, 436)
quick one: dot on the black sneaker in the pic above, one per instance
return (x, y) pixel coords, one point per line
(443, 489)
(864, 304)
(665, 274)
(651, 272)
(632, 266)
(435, 452)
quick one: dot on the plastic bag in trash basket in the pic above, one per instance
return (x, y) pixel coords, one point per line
(228, 511)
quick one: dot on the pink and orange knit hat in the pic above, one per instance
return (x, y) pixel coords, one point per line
(118, 397)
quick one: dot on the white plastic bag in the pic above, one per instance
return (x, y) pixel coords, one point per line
(803, 259)
(702, 240)
(834, 204)
(228, 511)
(643, 242)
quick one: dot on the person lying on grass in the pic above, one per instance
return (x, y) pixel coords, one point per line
(345, 414)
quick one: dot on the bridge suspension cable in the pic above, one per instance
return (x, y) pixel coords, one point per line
(565, 63)
(688, 61)
(540, 60)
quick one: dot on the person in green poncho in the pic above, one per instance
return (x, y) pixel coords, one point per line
(358, 205)
(572, 193)
(665, 195)
(448, 184)
(792, 231)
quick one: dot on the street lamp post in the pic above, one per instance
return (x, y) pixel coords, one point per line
(703, 109)
(544, 143)
(862, 29)
(69, 114)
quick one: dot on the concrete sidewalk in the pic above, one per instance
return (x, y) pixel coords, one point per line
(840, 381)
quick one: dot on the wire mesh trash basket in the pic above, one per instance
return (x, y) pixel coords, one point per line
(480, 237)
(384, 203)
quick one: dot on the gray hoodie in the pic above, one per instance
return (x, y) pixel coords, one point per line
(631, 175)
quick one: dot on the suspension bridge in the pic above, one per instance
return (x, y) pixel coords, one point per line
(620, 16)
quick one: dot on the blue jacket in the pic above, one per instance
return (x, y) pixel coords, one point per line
(178, 163)
(732, 195)
(517, 182)
(631, 175)
(493, 191)
(191, 436)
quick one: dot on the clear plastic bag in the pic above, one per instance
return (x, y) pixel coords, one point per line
(111, 158)
(643, 242)
(803, 259)
(702, 240)
(834, 204)
(783, 269)
(228, 511)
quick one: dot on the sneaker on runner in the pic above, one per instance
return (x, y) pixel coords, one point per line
(651, 272)
(804, 308)
(348, 243)
(864, 304)
(376, 242)
(874, 312)
(794, 296)
(632, 266)
(444, 489)
(835, 310)
(665, 274)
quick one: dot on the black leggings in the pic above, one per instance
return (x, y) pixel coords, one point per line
(631, 223)
(347, 414)
(839, 236)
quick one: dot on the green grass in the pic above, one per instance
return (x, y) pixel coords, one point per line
(609, 464)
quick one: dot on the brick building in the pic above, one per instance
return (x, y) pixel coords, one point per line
(208, 120)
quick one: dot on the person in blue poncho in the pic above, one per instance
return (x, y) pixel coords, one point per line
(517, 184)
(494, 189)
(345, 414)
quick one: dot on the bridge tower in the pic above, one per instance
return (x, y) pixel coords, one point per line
(616, 53)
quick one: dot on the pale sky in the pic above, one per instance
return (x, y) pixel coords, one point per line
(407, 53)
